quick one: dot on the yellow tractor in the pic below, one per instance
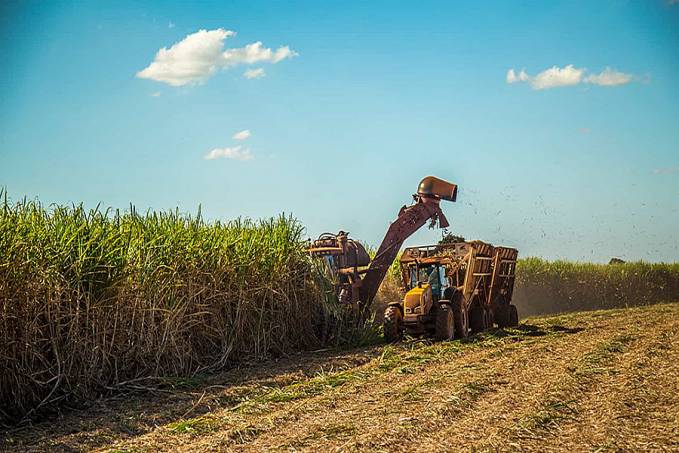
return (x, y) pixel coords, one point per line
(452, 289)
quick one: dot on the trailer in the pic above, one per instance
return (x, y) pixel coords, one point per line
(453, 289)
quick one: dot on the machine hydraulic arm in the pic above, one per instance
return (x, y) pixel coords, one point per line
(357, 278)
(410, 219)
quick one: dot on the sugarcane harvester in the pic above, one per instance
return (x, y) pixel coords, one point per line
(357, 278)
(451, 288)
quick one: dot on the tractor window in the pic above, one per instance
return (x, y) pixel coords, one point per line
(423, 274)
(412, 278)
(430, 274)
(435, 281)
(442, 277)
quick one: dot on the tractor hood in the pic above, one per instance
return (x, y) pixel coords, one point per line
(417, 301)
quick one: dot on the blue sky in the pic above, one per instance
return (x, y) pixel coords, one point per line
(578, 158)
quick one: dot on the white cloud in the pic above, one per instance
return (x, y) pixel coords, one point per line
(557, 77)
(200, 55)
(254, 73)
(609, 78)
(666, 170)
(513, 78)
(170, 24)
(234, 152)
(256, 53)
(569, 75)
(190, 61)
(155, 94)
(242, 135)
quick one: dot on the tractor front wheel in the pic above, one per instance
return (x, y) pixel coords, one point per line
(444, 325)
(393, 320)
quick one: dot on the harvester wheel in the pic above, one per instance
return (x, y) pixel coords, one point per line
(513, 316)
(461, 318)
(444, 328)
(478, 319)
(393, 320)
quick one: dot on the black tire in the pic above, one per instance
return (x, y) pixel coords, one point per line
(490, 318)
(477, 319)
(444, 325)
(461, 318)
(502, 315)
(513, 316)
(393, 320)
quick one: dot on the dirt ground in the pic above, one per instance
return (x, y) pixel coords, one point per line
(593, 381)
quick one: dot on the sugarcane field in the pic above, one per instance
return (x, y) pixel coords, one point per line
(379, 227)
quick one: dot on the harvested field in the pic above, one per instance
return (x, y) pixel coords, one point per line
(591, 381)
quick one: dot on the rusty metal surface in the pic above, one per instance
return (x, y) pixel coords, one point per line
(346, 261)
(349, 253)
(409, 220)
(431, 186)
(502, 284)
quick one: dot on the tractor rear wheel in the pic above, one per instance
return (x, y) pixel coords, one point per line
(461, 319)
(393, 320)
(513, 316)
(444, 325)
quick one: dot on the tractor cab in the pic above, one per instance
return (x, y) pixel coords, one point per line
(432, 274)
(425, 284)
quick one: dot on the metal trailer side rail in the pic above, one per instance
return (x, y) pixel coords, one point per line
(504, 274)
